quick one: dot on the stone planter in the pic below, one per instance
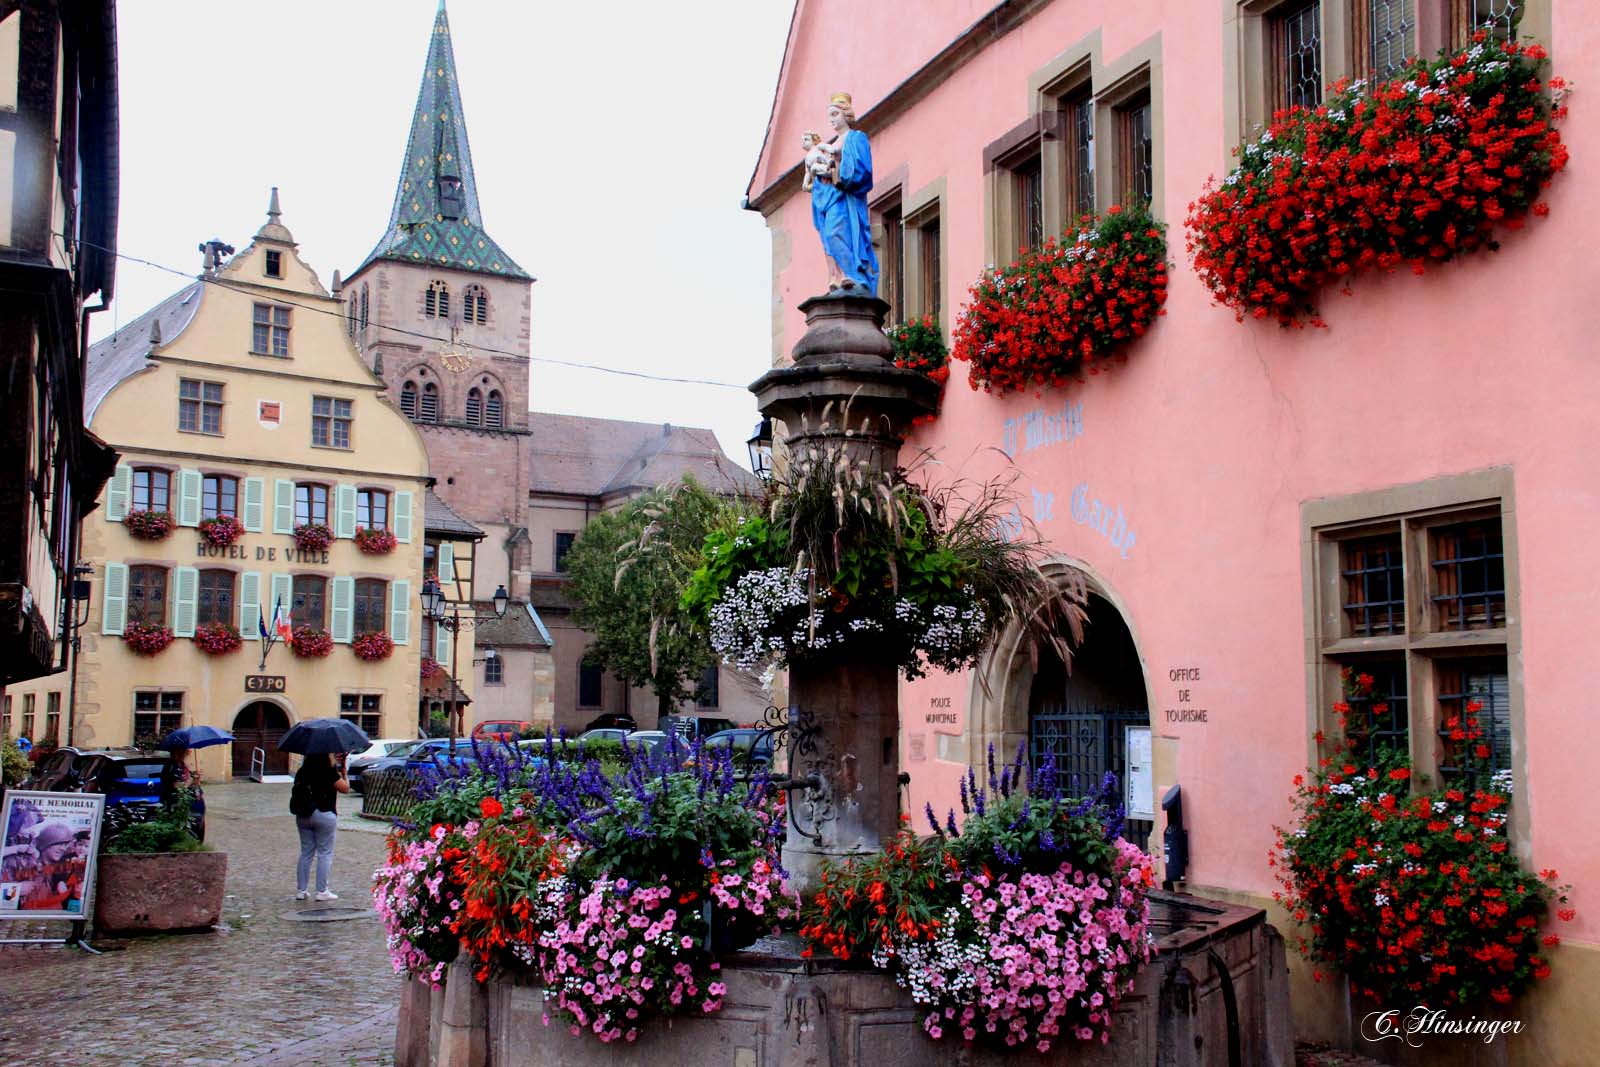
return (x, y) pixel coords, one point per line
(159, 892)
(1216, 993)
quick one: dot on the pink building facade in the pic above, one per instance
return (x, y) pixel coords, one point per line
(1406, 492)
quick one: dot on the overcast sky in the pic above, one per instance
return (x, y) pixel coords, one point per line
(611, 142)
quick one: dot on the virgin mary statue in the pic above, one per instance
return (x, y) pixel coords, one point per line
(839, 204)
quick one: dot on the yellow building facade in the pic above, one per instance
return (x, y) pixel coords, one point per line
(243, 398)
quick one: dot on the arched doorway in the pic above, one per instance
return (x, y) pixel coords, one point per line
(259, 725)
(1079, 719)
(1022, 697)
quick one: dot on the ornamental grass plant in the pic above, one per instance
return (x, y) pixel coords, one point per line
(846, 559)
(1414, 892)
(1415, 169)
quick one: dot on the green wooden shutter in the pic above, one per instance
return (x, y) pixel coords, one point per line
(344, 512)
(118, 491)
(114, 599)
(341, 617)
(250, 605)
(190, 483)
(441, 645)
(255, 501)
(185, 600)
(447, 568)
(402, 518)
(282, 506)
(400, 611)
(282, 594)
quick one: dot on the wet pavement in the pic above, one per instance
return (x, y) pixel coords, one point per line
(265, 990)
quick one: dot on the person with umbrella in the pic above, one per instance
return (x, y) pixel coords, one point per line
(314, 798)
(178, 743)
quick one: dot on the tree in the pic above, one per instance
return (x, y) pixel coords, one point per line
(626, 573)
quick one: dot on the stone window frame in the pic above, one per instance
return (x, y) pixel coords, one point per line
(475, 305)
(331, 419)
(52, 717)
(382, 607)
(149, 469)
(310, 513)
(1247, 41)
(922, 211)
(599, 684)
(279, 324)
(436, 300)
(494, 669)
(324, 596)
(203, 403)
(219, 476)
(557, 556)
(367, 712)
(1080, 74)
(372, 494)
(889, 240)
(1012, 163)
(161, 711)
(272, 265)
(1428, 652)
(226, 616)
(143, 568)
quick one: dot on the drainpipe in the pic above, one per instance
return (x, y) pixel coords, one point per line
(72, 562)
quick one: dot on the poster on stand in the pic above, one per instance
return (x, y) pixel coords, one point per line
(47, 868)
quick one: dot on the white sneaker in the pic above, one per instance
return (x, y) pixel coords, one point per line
(301, 895)
(327, 894)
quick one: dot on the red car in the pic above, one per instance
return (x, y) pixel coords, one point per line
(503, 729)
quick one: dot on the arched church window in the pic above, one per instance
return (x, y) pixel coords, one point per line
(408, 400)
(436, 301)
(493, 412)
(428, 404)
(474, 406)
(350, 315)
(364, 319)
(475, 305)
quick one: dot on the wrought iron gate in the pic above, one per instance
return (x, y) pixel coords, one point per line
(1084, 742)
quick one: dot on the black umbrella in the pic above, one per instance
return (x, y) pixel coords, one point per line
(195, 737)
(324, 735)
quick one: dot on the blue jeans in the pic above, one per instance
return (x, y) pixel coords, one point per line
(316, 836)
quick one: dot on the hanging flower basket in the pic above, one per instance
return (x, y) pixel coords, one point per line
(375, 542)
(147, 639)
(1417, 169)
(1066, 307)
(310, 643)
(312, 537)
(217, 638)
(221, 531)
(372, 646)
(919, 346)
(149, 525)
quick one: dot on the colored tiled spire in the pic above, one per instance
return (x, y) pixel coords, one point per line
(436, 218)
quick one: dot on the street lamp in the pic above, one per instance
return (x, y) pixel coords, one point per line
(760, 446)
(77, 615)
(433, 609)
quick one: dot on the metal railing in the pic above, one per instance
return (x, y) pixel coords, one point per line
(386, 794)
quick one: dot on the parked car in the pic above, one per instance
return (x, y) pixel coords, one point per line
(424, 754)
(613, 720)
(128, 777)
(504, 729)
(690, 727)
(604, 733)
(755, 744)
(358, 762)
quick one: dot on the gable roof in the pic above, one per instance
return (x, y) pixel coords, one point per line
(574, 455)
(114, 359)
(440, 518)
(436, 218)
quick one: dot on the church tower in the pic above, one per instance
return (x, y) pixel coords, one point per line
(442, 313)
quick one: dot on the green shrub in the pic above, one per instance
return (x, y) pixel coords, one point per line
(15, 765)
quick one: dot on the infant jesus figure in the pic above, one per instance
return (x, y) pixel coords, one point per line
(822, 159)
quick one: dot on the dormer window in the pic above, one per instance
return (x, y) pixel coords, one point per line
(274, 264)
(436, 301)
(449, 197)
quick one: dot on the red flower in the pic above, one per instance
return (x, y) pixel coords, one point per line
(491, 808)
(1400, 774)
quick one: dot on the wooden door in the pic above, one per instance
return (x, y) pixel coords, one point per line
(259, 725)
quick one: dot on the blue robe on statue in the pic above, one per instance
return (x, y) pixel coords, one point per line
(839, 212)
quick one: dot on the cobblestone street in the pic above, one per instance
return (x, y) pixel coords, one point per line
(265, 991)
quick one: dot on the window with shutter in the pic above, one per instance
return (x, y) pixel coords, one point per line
(408, 400)
(402, 517)
(428, 406)
(146, 593)
(113, 599)
(474, 406)
(185, 600)
(308, 603)
(250, 605)
(215, 602)
(493, 410)
(341, 610)
(400, 612)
